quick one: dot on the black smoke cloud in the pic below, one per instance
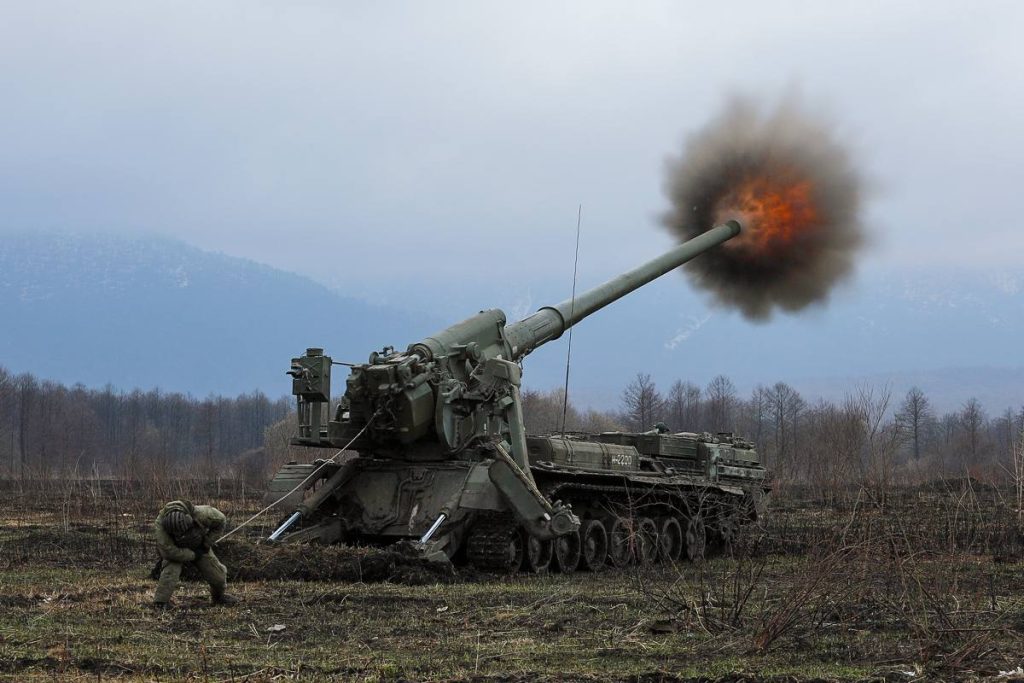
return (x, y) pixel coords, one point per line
(782, 144)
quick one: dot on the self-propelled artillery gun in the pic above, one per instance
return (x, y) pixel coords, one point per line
(436, 456)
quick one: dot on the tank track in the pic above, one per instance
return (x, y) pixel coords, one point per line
(488, 544)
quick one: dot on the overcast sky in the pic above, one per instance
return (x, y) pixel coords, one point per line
(431, 141)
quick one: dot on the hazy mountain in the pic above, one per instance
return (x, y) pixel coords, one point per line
(152, 312)
(956, 334)
(155, 312)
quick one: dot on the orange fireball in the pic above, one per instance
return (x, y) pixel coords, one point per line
(774, 212)
(782, 172)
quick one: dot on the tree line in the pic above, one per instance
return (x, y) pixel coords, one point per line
(868, 437)
(47, 428)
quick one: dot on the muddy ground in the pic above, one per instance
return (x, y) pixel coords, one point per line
(835, 594)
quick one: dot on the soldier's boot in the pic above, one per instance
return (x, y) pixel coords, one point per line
(161, 604)
(219, 597)
(216, 575)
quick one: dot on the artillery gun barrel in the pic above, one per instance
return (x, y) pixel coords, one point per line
(551, 321)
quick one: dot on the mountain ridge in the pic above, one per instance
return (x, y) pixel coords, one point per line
(147, 312)
(157, 312)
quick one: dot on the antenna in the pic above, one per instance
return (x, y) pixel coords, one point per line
(572, 310)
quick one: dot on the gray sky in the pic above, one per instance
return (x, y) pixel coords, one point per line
(434, 140)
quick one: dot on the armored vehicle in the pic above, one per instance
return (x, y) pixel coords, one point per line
(432, 453)
(650, 496)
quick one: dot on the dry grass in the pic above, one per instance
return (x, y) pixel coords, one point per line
(865, 592)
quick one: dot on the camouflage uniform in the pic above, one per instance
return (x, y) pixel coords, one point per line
(194, 547)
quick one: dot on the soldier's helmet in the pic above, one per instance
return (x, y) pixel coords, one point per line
(176, 522)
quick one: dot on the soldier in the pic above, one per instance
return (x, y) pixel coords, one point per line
(659, 428)
(183, 534)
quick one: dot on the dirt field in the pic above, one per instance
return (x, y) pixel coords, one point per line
(852, 592)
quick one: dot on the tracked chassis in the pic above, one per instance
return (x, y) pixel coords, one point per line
(640, 498)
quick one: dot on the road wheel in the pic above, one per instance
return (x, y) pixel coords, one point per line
(594, 545)
(620, 542)
(567, 552)
(670, 540)
(536, 554)
(646, 541)
(696, 539)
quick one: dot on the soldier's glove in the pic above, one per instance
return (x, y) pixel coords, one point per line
(200, 551)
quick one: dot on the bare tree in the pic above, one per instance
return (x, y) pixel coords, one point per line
(784, 405)
(882, 437)
(542, 412)
(914, 416)
(593, 421)
(835, 458)
(759, 405)
(972, 420)
(721, 404)
(27, 391)
(642, 404)
(682, 406)
(7, 401)
(1017, 460)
